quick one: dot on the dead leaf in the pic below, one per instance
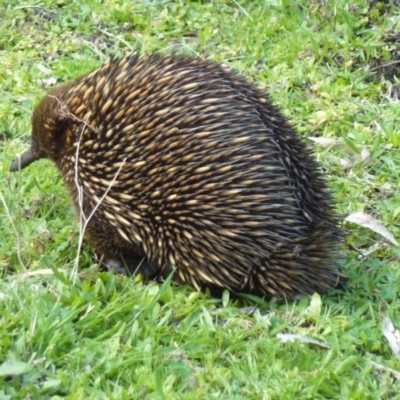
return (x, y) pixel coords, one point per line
(326, 142)
(45, 271)
(43, 69)
(47, 82)
(367, 221)
(358, 159)
(290, 338)
(392, 335)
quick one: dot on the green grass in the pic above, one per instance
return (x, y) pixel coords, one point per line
(100, 336)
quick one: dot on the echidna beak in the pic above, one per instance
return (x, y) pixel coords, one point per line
(23, 161)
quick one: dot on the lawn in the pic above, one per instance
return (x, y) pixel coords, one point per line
(69, 330)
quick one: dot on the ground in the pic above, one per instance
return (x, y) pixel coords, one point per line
(332, 66)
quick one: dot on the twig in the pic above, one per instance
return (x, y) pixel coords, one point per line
(381, 367)
(243, 10)
(118, 38)
(30, 6)
(83, 220)
(384, 65)
(19, 216)
(17, 229)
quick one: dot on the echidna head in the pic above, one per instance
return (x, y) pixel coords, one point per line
(45, 129)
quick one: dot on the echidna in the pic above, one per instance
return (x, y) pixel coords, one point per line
(191, 167)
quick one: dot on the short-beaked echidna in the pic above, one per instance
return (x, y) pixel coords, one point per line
(191, 167)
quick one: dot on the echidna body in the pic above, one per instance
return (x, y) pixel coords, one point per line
(191, 167)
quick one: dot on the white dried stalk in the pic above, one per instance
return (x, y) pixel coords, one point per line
(83, 220)
(17, 229)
